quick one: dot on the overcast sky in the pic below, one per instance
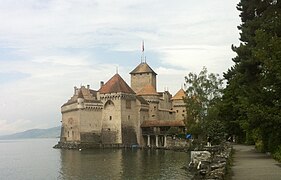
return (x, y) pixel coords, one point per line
(49, 46)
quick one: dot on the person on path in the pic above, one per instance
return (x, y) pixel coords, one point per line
(209, 141)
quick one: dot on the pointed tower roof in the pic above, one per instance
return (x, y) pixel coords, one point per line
(143, 67)
(116, 84)
(179, 95)
(148, 90)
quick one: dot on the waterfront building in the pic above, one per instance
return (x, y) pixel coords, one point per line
(121, 115)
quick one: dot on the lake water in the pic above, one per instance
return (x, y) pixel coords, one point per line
(36, 159)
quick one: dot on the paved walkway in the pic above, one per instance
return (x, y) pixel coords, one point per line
(251, 165)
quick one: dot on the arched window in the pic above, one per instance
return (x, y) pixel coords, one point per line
(108, 104)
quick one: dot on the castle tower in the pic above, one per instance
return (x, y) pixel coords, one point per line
(152, 97)
(119, 117)
(80, 100)
(179, 105)
(81, 117)
(142, 76)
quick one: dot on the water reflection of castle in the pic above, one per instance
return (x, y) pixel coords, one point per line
(120, 115)
(130, 163)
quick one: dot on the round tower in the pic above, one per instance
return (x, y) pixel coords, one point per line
(80, 100)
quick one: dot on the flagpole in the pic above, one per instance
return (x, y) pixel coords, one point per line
(142, 56)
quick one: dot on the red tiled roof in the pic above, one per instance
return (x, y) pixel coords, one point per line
(179, 95)
(143, 68)
(148, 90)
(116, 84)
(159, 123)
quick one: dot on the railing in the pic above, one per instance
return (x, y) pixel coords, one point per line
(156, 132)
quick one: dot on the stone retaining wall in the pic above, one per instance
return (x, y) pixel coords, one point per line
(211, 162)
(77, 145)
(177, 143)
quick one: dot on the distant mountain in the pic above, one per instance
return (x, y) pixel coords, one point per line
(35, 133)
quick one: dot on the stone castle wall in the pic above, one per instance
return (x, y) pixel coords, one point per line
(129, 120)
(111, 119)
(71, 126)
(138, 81)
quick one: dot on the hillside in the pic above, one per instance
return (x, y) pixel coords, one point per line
(35, 133)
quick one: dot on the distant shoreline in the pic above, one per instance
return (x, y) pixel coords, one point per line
(34, 134)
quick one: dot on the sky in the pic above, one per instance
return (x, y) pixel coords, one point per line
(48, 46)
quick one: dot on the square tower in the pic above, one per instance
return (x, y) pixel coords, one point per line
(142, 76)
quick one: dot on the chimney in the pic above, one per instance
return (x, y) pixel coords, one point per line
(88, 86)
(75, 90)
(101, 84)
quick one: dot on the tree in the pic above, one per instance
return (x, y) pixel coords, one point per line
(202, 92)
(251, 101)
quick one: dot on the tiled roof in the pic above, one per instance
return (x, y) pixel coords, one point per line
(161, 123)
(179, 95)
(88, 95)
(148, 90)
(142, 100)
(143, 68)
(116, 84)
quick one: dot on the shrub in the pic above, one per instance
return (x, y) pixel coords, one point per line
(277, 154)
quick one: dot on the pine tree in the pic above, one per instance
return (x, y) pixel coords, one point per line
(251, 101)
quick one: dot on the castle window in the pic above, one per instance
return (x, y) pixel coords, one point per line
(72, 133)
(129, 117)
(154, 107)
(67, 133)
(153, 115)
(128, 104)
(110, 117)
(177, 111)
(183, 110)
(183, 115)
(108, 129)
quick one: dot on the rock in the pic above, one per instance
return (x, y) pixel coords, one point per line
(211, 162)
(217, 174)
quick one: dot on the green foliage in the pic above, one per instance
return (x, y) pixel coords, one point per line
(202, 92)
(213, 127)
(251, 102)
(277, 153)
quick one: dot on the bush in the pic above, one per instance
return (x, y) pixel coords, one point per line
(277, 154)
(259, 146)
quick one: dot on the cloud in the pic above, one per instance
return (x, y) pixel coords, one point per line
(193, 58)
(7, 127)
(10, 77)
(47, 47)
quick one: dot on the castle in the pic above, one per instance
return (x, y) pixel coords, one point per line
(121, 115)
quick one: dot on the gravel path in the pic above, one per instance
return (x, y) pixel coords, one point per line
(251, 165)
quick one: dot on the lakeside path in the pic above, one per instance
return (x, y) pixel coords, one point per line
(251, 165)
